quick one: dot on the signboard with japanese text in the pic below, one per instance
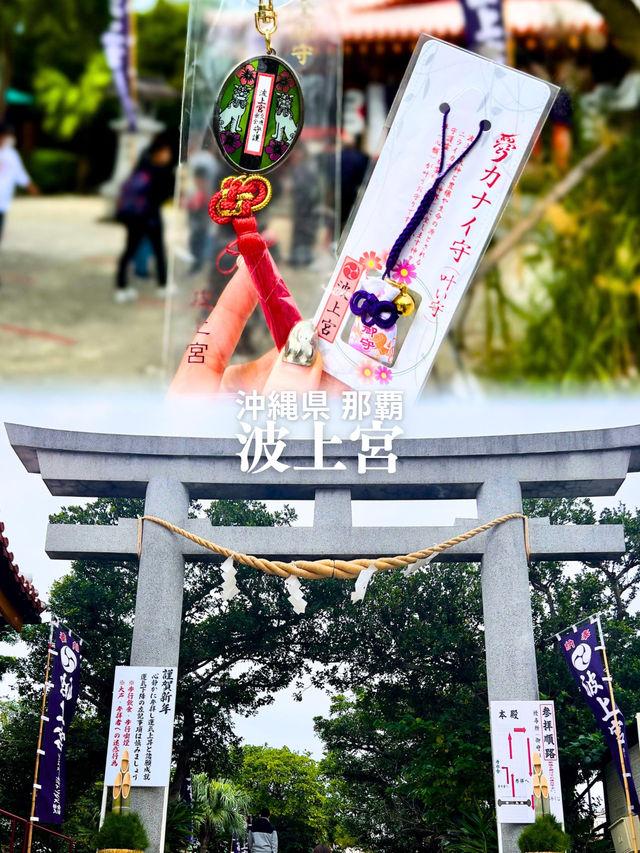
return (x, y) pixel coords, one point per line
(582, 651)
(61, 704)
(142, 712)
(526, 769)
(439, 259)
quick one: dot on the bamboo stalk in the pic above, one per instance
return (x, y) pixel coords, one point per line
(42, 712)
(620, 751)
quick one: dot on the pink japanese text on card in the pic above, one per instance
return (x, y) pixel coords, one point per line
(439, 260)
(336, 307)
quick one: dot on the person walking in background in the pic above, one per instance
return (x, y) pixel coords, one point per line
(12, 172)
(306, 203)
(353, 169)
(263, 837)
(138, 208)
(204, 176)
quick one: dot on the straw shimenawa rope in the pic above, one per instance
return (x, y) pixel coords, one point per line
(315, 569)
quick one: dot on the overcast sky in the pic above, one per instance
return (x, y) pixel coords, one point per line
(25, 503)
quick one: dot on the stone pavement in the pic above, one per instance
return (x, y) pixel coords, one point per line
(59, 323)
(58, 318)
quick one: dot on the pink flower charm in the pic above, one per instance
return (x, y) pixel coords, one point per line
(284, 81)
(404, 272)
(371, 261)
(383, 375)
(365, 370)
(247, 74)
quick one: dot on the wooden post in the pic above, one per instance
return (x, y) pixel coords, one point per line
(625, 773)
(42, 712)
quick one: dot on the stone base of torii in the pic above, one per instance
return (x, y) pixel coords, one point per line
(497, 471)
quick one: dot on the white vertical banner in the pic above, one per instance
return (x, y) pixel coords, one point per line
(546, 740)
(142, 713)
(526, 770)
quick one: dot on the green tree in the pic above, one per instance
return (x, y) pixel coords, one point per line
(561, 598)
(222, 807)
(162, 39)
(407, 739)
(411, 746)
(582, 320)
(36, 34)
(69, 105)
(234, 655)
(292, 787)
(408, 746)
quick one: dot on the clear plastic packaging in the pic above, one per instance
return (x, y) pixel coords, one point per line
(299, 222)
(505, 109)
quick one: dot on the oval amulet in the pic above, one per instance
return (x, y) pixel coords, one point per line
(259, 114)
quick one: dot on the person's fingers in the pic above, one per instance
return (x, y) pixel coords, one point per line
(250, 376)
(299, 365)
(204, 362)
(294, 377)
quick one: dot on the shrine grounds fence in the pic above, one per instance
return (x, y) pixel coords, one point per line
(14, 835)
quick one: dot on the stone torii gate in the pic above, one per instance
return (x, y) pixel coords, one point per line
(498, 472)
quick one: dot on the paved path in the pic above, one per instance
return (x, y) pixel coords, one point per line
(58, 319)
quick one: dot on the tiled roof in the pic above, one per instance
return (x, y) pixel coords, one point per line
(20, 592)
(373, 19)
(380, 20)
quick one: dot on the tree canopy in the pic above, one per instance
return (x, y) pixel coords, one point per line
(407, 761)
(290, 785)
(232, 656)
(409, 742)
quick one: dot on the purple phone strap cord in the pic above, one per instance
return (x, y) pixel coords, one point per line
(427, 200)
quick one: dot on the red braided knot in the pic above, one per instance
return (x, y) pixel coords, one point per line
(239, 195)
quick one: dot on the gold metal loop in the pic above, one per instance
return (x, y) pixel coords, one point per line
(266, 22)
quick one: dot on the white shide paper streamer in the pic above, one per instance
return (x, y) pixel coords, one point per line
(361, 584)
(229, 588)
(293, 587)
(412, 568)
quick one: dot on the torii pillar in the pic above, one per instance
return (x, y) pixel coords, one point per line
(498, 471)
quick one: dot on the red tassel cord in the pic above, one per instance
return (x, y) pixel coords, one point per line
(237, 200)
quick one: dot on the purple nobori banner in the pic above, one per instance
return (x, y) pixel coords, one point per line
(186, 795)
(116, 49)
(583, 652)
(484, 27)
(63, 696)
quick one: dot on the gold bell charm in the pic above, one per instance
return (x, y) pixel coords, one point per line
(404, 301)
